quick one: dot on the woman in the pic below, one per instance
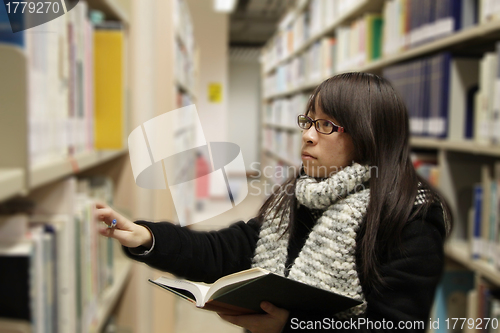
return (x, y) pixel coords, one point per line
(356, 220)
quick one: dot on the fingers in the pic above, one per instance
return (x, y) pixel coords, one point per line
(260, 323)
(108, 215)
(274, 311)
(100, 204)
(122, 236)
(241, 321)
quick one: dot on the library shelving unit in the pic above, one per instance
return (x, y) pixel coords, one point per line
(459, 161)
(19, 177)
(162, 31)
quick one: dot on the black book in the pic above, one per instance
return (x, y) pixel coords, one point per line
(242, 293)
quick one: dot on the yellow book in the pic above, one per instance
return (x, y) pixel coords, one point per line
(108, 78)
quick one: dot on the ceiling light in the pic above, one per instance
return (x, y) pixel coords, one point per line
(225, 6)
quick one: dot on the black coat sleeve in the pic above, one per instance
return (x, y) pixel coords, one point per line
(411, 277)
(200, 256)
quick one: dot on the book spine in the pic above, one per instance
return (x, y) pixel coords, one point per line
(477, 204)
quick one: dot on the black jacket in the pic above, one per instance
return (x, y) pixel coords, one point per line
(410, 276)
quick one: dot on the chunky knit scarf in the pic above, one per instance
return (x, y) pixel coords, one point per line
(327, 259)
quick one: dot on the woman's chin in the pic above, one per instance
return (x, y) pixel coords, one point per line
(315, 172)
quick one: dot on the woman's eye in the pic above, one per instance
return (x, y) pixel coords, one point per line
(326, 124)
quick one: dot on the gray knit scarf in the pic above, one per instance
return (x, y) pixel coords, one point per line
(327, 259)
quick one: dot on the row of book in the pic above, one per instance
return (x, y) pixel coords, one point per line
(75, 83)
(285, 144)
(460, 307)
(451, 97)
(354, 46)
(359, 43)
(297, 27)
(185, 66)
(184, 46)
(484, 217)
(402, 24)
(487, 99)
(489, 10)
(311, 66)
(284, 111)
(410, 23)
(55, 266)
(183, 25)
(185, 134)
(424, 86)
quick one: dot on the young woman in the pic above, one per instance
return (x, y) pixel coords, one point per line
(356, 220)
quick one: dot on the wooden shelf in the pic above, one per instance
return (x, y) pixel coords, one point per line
(460, 252)
(363, 7)
(458, 146)
(11, 182)
(46, 173)
(110, 296)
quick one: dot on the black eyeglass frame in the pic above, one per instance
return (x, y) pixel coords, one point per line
(335, 128)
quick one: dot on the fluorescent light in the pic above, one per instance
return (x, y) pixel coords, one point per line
(224, 6)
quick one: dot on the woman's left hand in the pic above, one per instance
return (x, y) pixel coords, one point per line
(271, 322)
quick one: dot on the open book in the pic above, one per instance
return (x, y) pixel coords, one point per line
(242, 293)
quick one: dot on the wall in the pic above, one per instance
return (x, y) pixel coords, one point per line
(244, 108)
(211, 35)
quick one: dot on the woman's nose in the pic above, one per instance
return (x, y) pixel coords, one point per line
(310, 135)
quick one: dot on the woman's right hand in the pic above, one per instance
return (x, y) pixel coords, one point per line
(126, 232)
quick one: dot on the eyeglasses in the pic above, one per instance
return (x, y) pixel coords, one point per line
(322, 126)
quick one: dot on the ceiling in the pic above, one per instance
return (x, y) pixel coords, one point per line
(253, 22)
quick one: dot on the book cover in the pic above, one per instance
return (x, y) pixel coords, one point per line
(108, 79)
(476, 233)
(451, 296)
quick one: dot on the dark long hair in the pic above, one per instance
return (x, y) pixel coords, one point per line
(376, 118)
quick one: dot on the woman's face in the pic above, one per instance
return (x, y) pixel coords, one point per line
(325, 154)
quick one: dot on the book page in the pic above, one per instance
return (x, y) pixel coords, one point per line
(199, 290)
(235, 280)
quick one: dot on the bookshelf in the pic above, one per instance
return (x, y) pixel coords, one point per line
(459, 251)
(487, 31)
(111, 295)
(150, 88)
(11, 182)
(460, 163)
(358, 7)
(49, 172)
(118, 10)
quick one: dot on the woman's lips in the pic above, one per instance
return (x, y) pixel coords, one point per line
(306, 156)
